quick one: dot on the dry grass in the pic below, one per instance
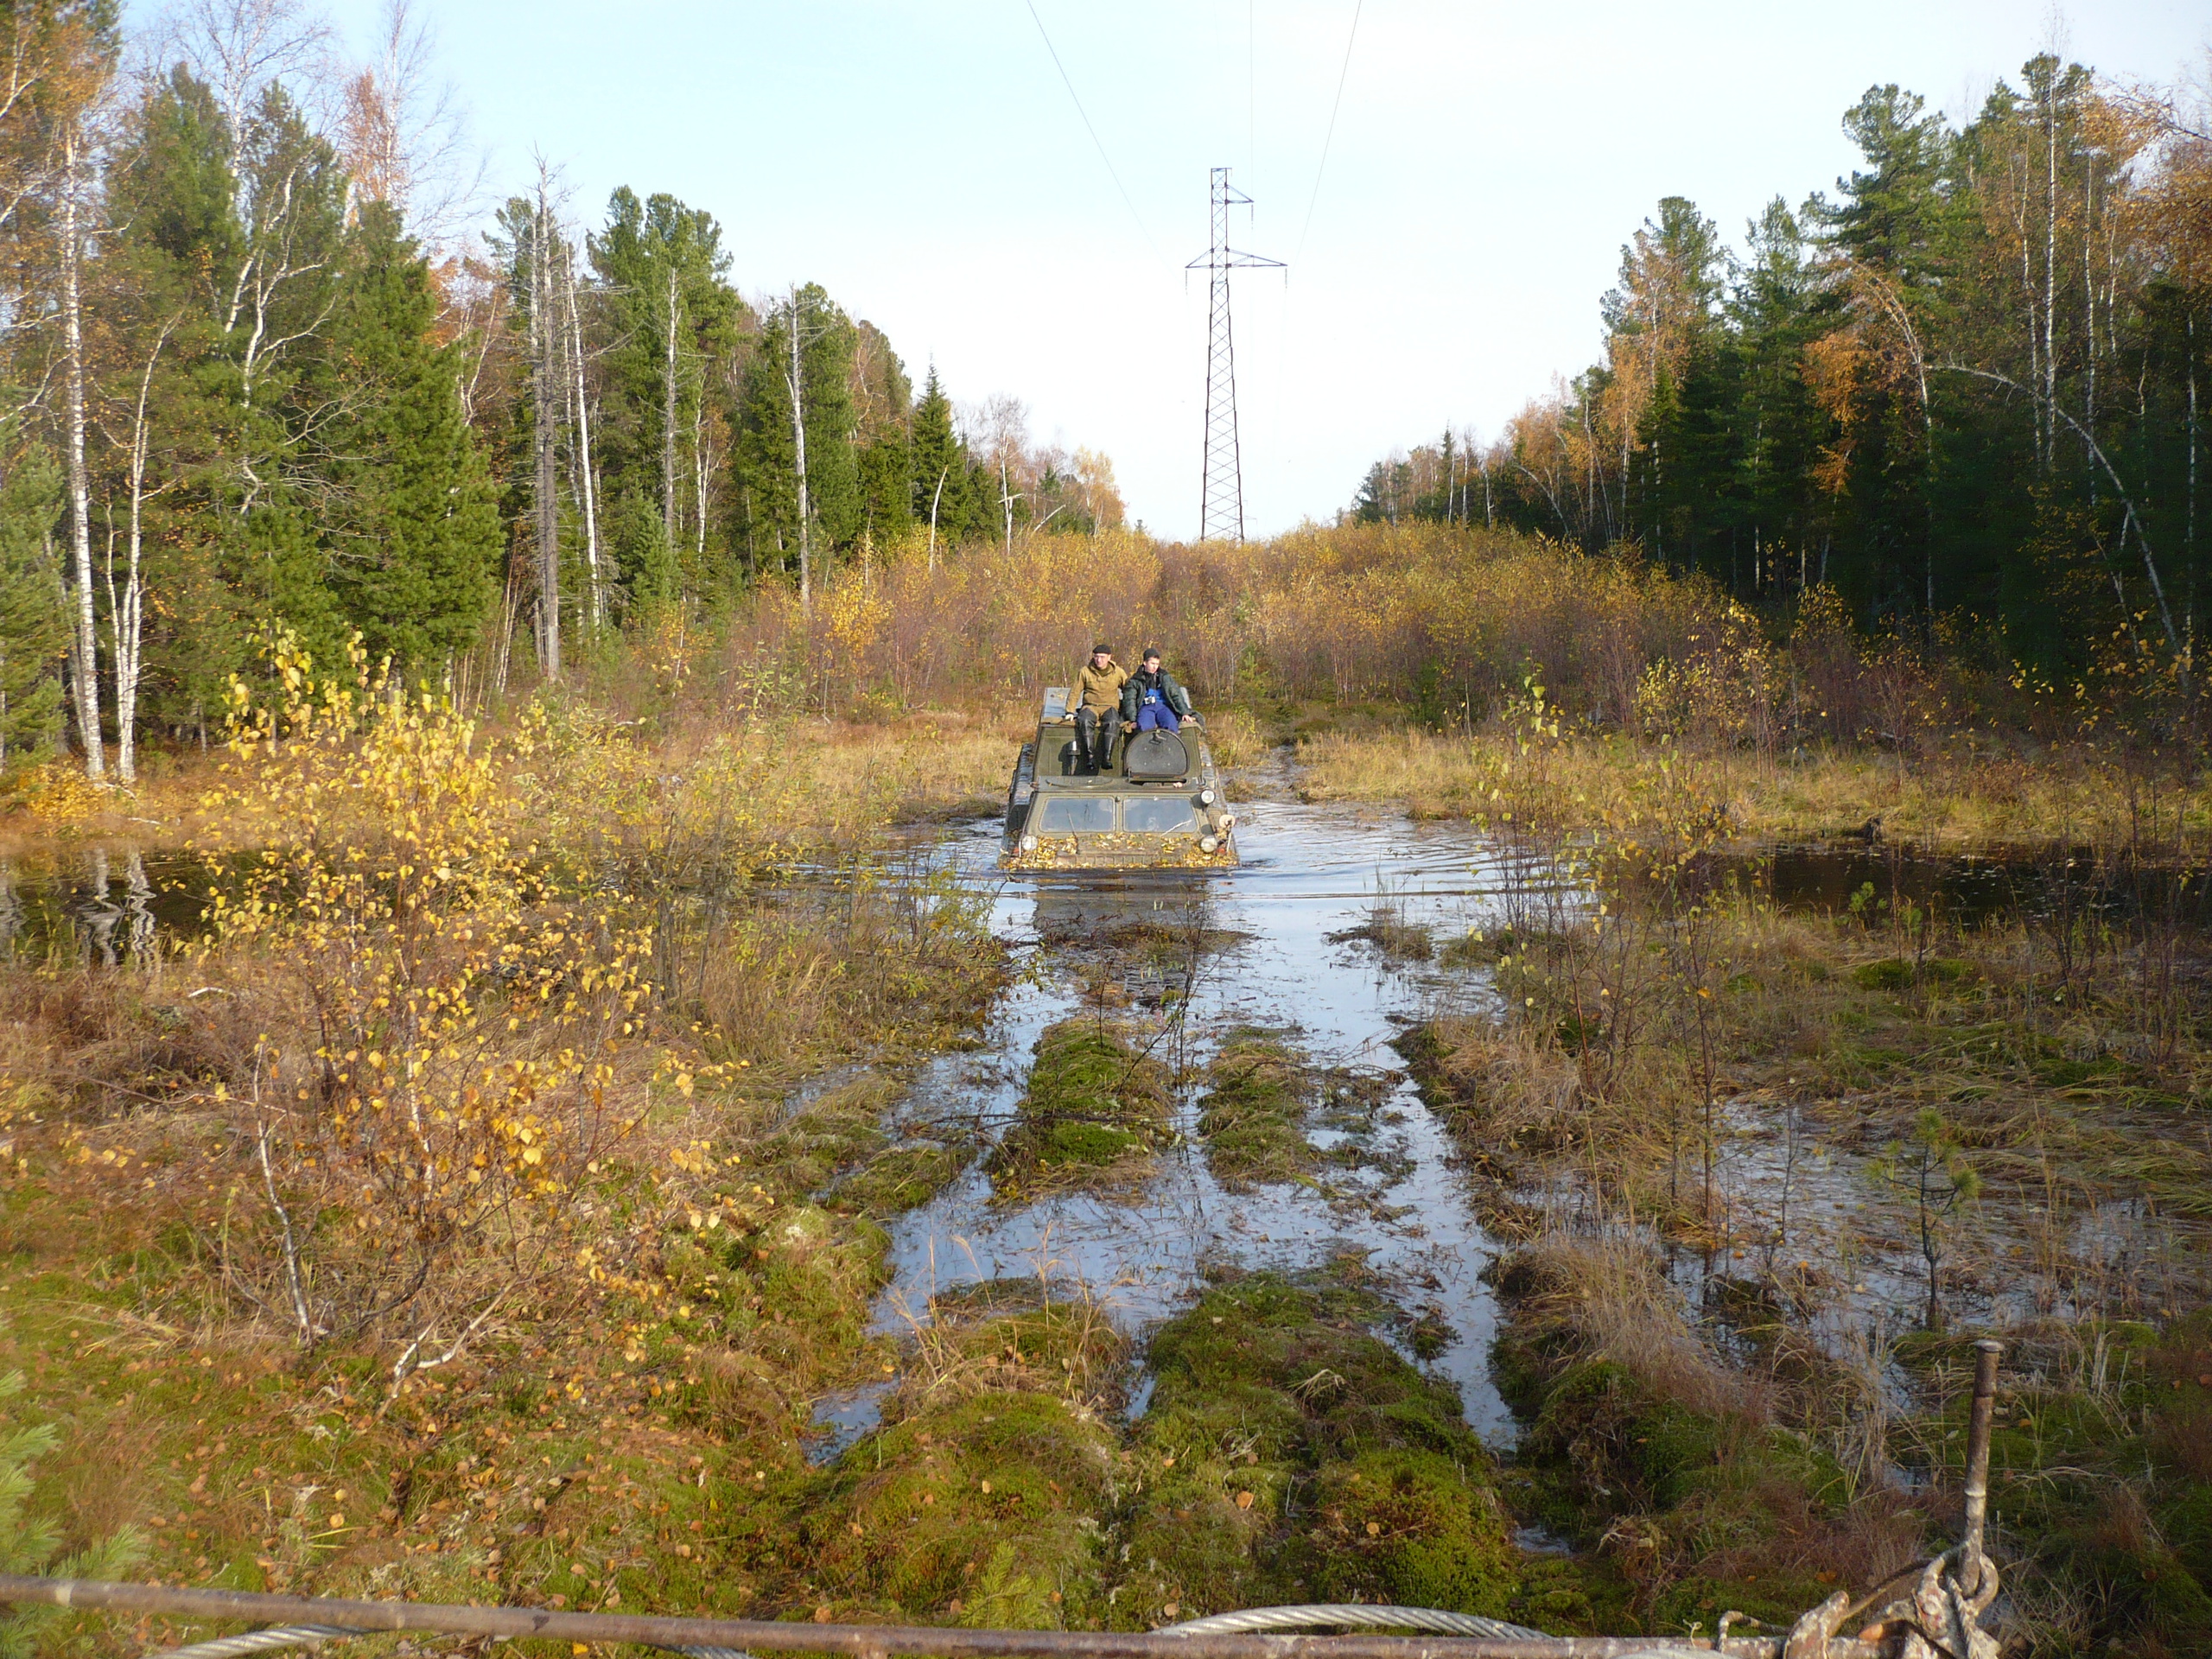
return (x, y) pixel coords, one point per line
(1607, 1291)
(1953, 797)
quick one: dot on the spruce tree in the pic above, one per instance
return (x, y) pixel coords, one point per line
(767, 448)
(413, 535)
(673, 327)
(33, 628)
(940, 467)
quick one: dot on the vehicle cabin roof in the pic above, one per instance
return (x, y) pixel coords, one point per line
(1053, 731)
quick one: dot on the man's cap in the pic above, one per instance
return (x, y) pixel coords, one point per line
(1102, 650)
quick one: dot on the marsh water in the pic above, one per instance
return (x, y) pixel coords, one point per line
(1177, 962)
(1183, 961)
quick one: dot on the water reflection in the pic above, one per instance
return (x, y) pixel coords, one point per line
(105, 907)
(1972, 889)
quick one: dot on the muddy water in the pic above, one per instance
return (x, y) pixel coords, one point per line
(1308, 873)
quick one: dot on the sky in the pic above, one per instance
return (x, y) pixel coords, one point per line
(925, 161)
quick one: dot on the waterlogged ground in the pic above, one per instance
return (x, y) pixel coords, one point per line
(1182, 1298)
(1386, 1193)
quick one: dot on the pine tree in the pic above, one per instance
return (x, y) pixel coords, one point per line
(767, 446)
(674, 325)
(413, 535)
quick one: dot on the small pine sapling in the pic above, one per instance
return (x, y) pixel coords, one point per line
(29, 1543)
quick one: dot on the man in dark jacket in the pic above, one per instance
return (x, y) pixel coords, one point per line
(1153, 698)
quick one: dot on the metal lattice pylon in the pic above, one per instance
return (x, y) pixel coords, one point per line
(1221, 497)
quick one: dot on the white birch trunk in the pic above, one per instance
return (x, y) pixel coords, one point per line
(586, 482)
(798, 446)
(542, 393)
(85, 646)
(702, 464)
(668, 421)
(2050, 273)
(127, 612)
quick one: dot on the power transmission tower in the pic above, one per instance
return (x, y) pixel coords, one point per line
(1221, 498)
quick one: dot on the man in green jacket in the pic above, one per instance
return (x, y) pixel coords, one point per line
(1097, 699)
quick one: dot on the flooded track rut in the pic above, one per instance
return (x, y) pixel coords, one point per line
(1266, 950)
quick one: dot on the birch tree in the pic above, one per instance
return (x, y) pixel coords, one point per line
(71, 230)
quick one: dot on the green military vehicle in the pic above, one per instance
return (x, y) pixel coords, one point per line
(1156, 804)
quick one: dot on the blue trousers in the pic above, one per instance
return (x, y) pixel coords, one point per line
(1154, 715)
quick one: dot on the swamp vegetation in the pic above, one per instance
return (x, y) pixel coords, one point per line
(630, 1154)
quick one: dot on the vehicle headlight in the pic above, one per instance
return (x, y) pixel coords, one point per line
(1206, 797)
(1029, 843)
(1208, 844)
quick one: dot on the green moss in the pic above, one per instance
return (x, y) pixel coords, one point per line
(1901, 974)
(2102, 1493)
(1676, 1506)
(1281, 1428)
(1095, 1111)
(1410, 1526)
(901, 1179)
(991, 1511)
(1259, 1091)
(834, 1132)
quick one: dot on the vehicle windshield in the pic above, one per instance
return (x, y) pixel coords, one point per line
(1077, 815)
(1159, 815)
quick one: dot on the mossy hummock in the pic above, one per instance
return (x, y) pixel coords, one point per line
(1252, 1116)
(1291, 1455)
(1095, 1112)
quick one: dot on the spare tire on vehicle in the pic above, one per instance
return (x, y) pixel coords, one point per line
(1154, 757)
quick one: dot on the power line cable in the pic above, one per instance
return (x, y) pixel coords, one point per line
(1093, 131)
(1341, 76)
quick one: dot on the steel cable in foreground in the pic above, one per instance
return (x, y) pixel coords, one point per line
(712, 1638)
(276, 1639)
(1319, 1615)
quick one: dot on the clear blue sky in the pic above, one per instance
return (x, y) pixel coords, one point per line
(925, 162)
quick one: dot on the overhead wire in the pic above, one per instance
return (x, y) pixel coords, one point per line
(1342, 74)
(1077, 100)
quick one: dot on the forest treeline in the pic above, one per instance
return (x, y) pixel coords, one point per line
(251, 384)
(1967, 384)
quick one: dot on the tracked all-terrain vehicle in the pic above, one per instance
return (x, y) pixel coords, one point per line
(1156, 804)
